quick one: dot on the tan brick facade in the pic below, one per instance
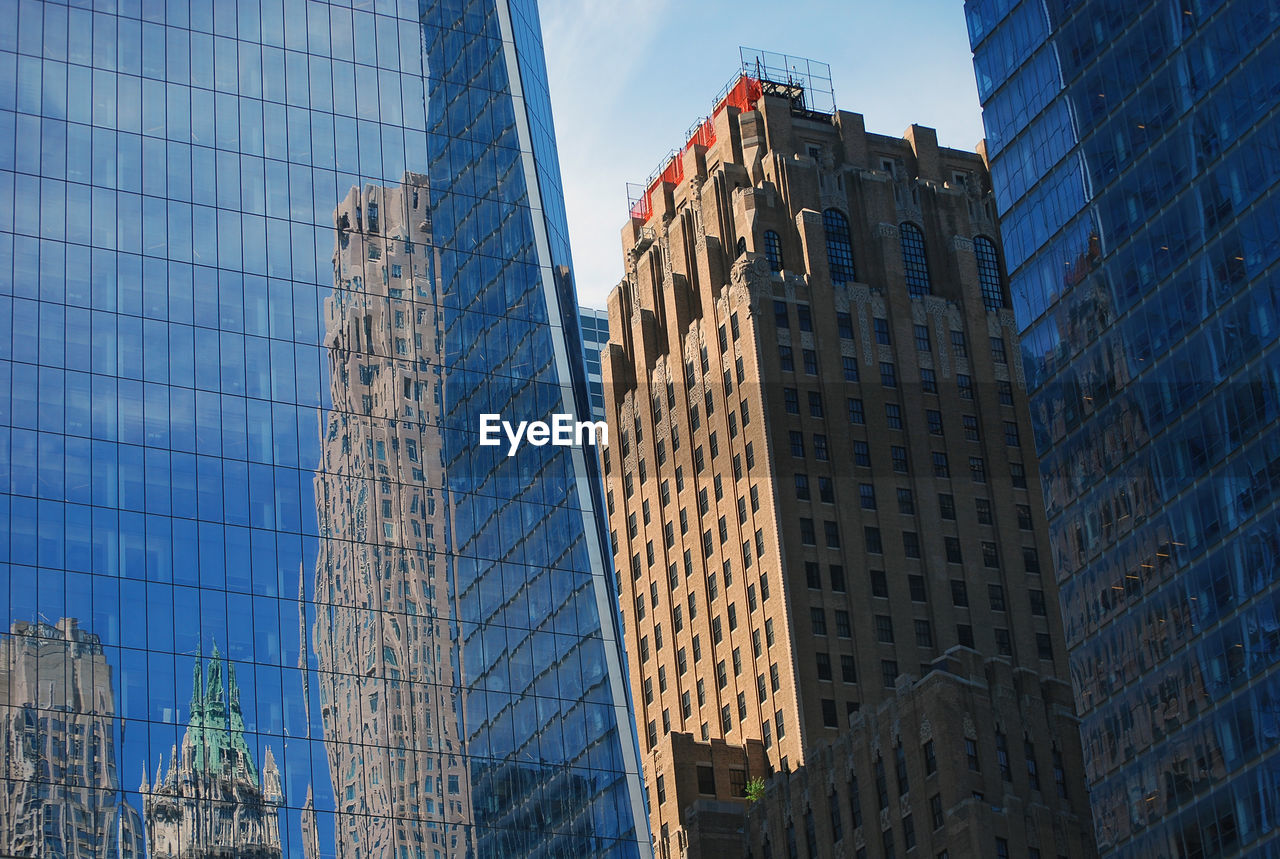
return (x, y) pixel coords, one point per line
(818, 482)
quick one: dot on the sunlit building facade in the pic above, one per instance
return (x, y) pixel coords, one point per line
(276, 259)
(1133, 151)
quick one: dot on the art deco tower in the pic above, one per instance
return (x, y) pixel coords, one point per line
(824, 500)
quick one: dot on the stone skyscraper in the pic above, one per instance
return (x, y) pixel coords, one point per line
(824, 500)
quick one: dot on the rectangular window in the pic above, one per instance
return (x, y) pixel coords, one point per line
(888, 375)
(933, 418)
(823, 661)
(862, 454)
(832, 533)
(977, 469)
(959, 593)
(1011, 434)
(815, 404)
(818, 620)
(893, 415)
(898, 456)
(954, 555)
(871, 536)
(843, 629)
(820, 447)
(911, 544)
(990, 555)
(791, 401)
(995, 595)
(1017, 475)
(810, 362)
(906, 502)
(849, 366)
(982, 506)
(998, 352)
(797, 444)
(888, 672)
(780, 317)
(882, 331)
(970, 424)
(856, 413)
(844, 323)
(965, 384)
(940, 466)
(958, 344)
(802, 487)
(808, 535)
(946, 505)
(785, 360)
(848, 671)
(1005, 390)
(928, 381)
(867, 494)
(922, 338)
(884, 629)
(806, 324)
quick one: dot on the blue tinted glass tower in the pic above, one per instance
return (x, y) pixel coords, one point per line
(262, 267)
(1135, 154)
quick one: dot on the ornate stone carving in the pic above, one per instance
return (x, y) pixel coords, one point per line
(960, 243)
(886, 231)
(926, 731)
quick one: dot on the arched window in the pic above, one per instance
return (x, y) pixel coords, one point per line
(839, 248)
(773, 250)
(741, 248)
(988, 272)
(914, 264)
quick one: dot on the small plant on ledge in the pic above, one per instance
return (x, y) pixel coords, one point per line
(755, 790)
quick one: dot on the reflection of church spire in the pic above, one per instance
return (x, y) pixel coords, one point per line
(212, 798)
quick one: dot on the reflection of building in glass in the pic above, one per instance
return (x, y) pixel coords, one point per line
(1133, 151)
(60, 795)
(594, 324)
(212, 802)
(387, 678)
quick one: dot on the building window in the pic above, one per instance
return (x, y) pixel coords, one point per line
(935, 811)
(839, 247)
(971, 753)
(844, 324)
(933, 418)
(982, 506)
(843, 629)
(970, 424)
(888, 375)
(995, 595)
(965, 385)
(946, 505)
(954, 555)
(1011, 434)
(1036, 598)
(1005, 389)
(818, 619)
(848, 671)
(1017, 475)
(893, 415)
(867, 493)
(990, 555)
(871, 536)
(940, 466)
(797, 444)
(882, 331)
(1044, 646)
(958, 344)
(791, 401)
(802, 487)
(998, 352)
(888, 672)
(780, 317)
(959, 593)
(879, 584)
(915, 265)
(856, 413)
(815, 405)
(928, 381)
(964, 634)
(911, 544)
(849, 365)
(784, 358)
(884, 629)
(921, 333)
(916, 584)
(861, 454)
(898, 455)
(810, 362)
(977, 469)
(773, 250)
(820, 447)
(823, 662)
(906, 502)
(988, 272)
(837, 577)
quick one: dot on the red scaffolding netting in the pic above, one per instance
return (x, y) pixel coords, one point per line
(743, 95)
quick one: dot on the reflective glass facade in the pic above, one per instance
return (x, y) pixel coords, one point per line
(1135, 157)
(262, 267)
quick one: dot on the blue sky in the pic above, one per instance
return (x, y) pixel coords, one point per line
(628, 77)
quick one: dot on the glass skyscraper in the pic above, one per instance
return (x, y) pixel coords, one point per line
(262, 267)
(1135, 154)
